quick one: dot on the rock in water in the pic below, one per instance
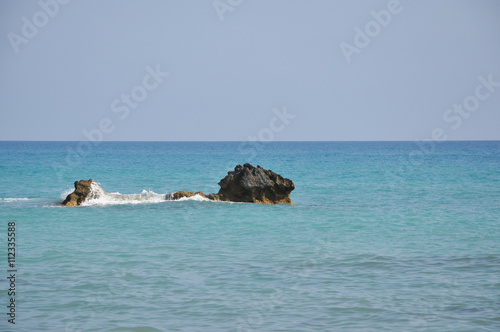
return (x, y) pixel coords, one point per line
(77, 197)
(248, 184)
(180, 194)
(255, 184)
(245, 184)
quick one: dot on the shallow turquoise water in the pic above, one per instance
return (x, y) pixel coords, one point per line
(381, 238)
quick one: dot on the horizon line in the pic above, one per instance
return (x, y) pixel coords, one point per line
(274, 141)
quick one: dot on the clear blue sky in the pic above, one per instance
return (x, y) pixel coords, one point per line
(230, 65)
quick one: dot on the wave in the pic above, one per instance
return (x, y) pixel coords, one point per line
(65, 193)
(14, 199)
(196, 197)
(98, 197)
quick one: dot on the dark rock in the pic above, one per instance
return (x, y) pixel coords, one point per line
(77, 197)
(255, 184)
(249, 184)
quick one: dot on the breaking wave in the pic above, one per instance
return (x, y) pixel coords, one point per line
(98, 197)
(13, 199)
(196, 197)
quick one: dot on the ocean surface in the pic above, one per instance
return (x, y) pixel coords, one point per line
(384, 236)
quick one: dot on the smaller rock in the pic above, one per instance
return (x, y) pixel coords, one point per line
(77, 197)
(183, 193)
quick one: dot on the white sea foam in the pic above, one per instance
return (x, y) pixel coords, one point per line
(196, 197)
(65, 193)
(98, 197)
(13, 199)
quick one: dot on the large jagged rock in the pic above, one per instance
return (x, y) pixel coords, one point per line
(255, 184)
(249, 184)
(77, 197)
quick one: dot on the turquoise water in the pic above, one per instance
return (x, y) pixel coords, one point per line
(384, 236)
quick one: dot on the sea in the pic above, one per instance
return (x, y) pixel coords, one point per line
(383, 236)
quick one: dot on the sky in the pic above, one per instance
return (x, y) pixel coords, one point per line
(236, 70)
